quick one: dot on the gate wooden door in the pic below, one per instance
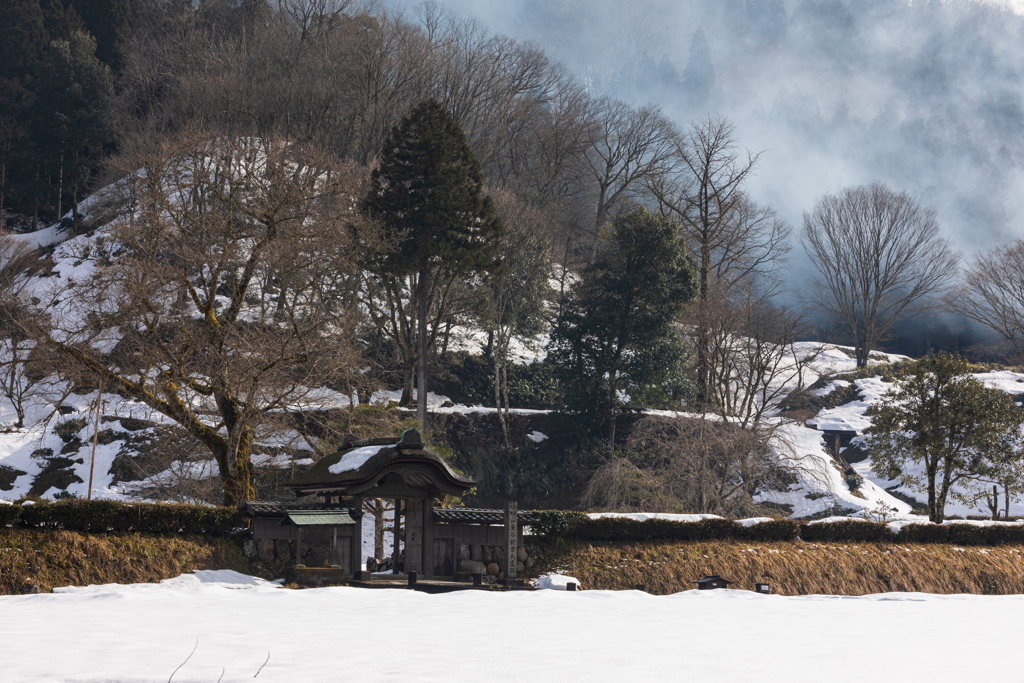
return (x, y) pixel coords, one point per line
(444, 557)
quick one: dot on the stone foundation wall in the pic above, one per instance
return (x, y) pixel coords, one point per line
(489, 560)
(272, 557)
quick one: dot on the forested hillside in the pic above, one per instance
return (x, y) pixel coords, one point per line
(239, 230)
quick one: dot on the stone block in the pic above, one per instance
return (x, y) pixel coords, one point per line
(472, 566)
(265, 550)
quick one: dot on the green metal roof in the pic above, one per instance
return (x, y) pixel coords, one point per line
(317, 517)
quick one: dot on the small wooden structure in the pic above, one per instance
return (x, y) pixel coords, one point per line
(413, 477)
(711, 582)
(762, 588)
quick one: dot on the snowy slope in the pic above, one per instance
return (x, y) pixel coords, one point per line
(238, 628)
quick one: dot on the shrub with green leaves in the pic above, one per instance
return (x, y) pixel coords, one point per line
(577, 526)
(157, 518)
(68, 429)
(9, 515)
(845, 532)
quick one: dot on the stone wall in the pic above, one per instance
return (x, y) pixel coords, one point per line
(489, 560)
(270, 557)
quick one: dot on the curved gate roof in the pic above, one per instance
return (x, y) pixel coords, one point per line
(385, 468)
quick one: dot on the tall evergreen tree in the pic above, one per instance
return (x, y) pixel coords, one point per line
(23, 37)
(428, 194)
(699, 74)
(70, 124)
(616, 338)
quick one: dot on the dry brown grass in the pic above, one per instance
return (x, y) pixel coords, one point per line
(795, 568)
(65, 558)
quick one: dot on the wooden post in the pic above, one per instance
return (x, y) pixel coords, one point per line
(334, 561)
(95, 438)
(298, 547)
(511, 538)
(396, 552)
(426, 544)
(355, 560)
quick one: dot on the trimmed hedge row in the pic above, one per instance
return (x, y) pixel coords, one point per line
(9, 515)
(962, 534)
(847, 532)
(578, 526)
(103, 515)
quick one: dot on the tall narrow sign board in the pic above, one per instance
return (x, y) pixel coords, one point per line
(511, 538)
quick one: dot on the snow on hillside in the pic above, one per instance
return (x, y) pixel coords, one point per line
(222, 626)
(819, 487)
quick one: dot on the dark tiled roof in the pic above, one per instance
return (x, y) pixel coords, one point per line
(479, 516)
(258, 509)
(408, 450)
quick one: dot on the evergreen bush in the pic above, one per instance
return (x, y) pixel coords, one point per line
(1004, 535)
(9, 515)
(843, 532)
(577, 526)
(924, 533)
(156, 518)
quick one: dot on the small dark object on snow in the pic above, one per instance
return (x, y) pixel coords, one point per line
(641, 587)
(762, 588)
(713, 581)
(413, 576)
(571, 586)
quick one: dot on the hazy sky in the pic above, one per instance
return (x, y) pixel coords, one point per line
(926, 98)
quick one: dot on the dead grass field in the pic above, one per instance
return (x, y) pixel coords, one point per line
(65, 558)
(794, 568)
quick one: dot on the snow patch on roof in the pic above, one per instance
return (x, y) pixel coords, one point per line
(355, 459)
(644, 516)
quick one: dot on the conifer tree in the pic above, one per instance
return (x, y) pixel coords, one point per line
(941, 419)
(70, 123)
(616, 338)
(427, 193)
(699, 74)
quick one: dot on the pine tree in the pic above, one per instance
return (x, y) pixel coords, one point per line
(70, 125)
(699, 74)
(617, 335)
(23, 37)
(938, 416)
(428, 194)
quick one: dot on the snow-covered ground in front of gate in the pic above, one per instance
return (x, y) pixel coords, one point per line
(233, 625)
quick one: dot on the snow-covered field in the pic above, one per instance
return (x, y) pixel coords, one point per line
(143, 632)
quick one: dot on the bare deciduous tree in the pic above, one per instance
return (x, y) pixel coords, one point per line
(991, 292)
(752, 355)
(691, 465)
(512, 303)
(625, 147)
(231, 295)
(879, 257)
(29, 377)
(736, 244)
